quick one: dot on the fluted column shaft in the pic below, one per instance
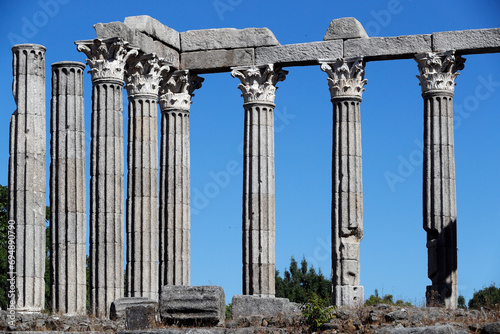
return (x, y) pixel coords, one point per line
(437, 78)
(106, 59)
(27, 176)
(175, 222)
(346, 82)
(143, 79)
(68, 222)
(258, 85)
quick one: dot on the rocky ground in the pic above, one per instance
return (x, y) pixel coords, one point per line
(379, 319)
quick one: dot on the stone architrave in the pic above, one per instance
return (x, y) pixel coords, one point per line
(106, 59)
(68, 221)
(143, 75)
(175, 222)
(27, 176)
(437, 79)
(258, 85)
(346, 82)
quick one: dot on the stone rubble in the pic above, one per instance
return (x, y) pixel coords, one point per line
(417, 320)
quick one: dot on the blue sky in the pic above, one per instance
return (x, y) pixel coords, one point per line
(393, 252)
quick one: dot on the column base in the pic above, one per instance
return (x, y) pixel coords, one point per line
(248, 305)
(348, 295)
(442, 295)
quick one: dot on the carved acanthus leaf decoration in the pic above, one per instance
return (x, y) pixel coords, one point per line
(258, 84)
(345, 76)
(438, 70)
(143, 74)
(107, 57)
(177, 89)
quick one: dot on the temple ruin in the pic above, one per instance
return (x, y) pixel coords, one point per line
(158, 65)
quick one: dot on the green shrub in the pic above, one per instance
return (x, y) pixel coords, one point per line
(386, 299)
(316, 311)
(461, 302)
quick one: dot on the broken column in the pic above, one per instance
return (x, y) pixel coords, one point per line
(175, 252)
(437, 79)
(68, 222)
(106, 59)
(346, 82)
(258, 86)
(143, 80)
(27, 175)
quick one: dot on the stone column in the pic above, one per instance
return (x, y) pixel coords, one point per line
(346, 82)
(27, 175)
(175, 252)
(106, 59)
(68, 221)
(258, 85)
(437, 78)
(143, 80)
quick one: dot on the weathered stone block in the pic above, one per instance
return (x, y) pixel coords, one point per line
(247, 305)
(299, 54)
(386, 48)
(140, 317)
(190, 305)
(467, 41)
(345, 28)
(155, 29)
(137, 39)
(226, 38)
(351, 296)
(216, 60)
(119, 308)
(115, 29)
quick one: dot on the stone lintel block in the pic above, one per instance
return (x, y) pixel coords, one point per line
(154, 29)
(467, 41)
(226, 38)
(387, 48)
(299, 54)
(137, 39)
(192, 305)
(216, 60)
(120, 306)
(345, 28)
(248, 305)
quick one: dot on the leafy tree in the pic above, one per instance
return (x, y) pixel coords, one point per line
(488, 297)
(461, 302)
(299, 282)
(229, 311)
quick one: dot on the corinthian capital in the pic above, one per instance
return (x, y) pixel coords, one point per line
(258, 83)
(346, 76)
(438, 70)
(106, 57)
(143, 74)
(177, 90)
